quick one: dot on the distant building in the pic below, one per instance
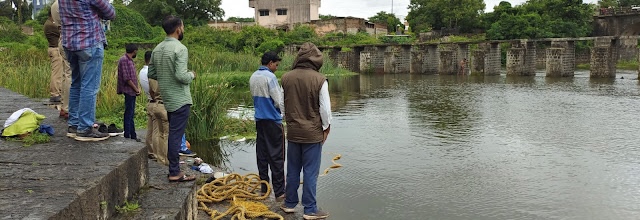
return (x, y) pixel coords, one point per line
(348, 25)
(283, 13)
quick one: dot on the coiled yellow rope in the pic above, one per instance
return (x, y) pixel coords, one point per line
(238, 189)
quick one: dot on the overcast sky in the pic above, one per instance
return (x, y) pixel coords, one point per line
(354, 8)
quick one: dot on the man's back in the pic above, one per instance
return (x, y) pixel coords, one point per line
(302, 97)
(169, 67)
(81, 27)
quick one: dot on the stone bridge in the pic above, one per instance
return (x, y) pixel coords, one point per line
(484, 57)
(616, 22)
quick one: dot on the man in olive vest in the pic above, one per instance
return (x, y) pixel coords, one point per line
(306, 98)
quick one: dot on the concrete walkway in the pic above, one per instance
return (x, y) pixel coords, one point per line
(65, 179)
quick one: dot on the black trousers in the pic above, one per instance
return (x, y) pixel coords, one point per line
(270, 153)
(177, 125)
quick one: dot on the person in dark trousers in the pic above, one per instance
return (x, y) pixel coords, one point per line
(268, 102)
(128, 86)
(169, 66)
(308, 117)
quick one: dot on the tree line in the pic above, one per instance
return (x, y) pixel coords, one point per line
(531, 19)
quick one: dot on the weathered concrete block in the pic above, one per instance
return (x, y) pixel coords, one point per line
(603, 62)
(447, 65)
(417, 56)
(397, 59)
(555, 66)
(478, 62)
(493, 61)
(431, 60)
(515, 62)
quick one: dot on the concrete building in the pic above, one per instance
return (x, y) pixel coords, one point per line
(283, 13)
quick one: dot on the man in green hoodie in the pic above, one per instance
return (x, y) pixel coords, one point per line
(306, 98)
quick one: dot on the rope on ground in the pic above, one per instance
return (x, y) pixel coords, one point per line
(238, 189)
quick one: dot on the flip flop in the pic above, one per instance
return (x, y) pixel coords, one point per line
(184, 178)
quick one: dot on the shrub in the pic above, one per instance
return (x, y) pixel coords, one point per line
(9, 31)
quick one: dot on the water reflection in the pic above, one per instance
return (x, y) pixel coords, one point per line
(211, 152)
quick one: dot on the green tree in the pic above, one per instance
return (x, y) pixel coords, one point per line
(628, 3)
(327, 17)
(539, 19)
(9, 31)
(608, 3)
(238, 19)
(438, 14)
(388, 19)
(196, 12)
(154, 11)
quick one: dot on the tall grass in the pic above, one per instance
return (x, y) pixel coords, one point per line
(208, 112)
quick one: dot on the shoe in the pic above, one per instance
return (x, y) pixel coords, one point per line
(187, 153)
(102, 128)
(71, 131)
(280, 198)
(55, 99)
(136, 139)
(317, 215)
(91, 135)
(114, 131)
(287, 209)
(64, 114)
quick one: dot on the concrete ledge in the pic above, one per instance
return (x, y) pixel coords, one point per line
(65, 179)
(161, 199)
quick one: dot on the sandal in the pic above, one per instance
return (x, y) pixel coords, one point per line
(184, 178)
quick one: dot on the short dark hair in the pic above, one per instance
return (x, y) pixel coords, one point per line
(131, 48)
(171, 23)
(147, 56)
(270, 57)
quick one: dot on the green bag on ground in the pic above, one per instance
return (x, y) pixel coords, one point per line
(28, 122)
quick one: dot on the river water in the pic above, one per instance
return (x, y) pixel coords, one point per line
(452, 147)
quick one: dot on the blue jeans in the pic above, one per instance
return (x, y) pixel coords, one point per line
(129, 112)
(86, 72)
(177, 125)
(305, 157)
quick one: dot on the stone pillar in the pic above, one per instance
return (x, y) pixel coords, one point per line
(397, 59)
(355, 63)
(377, 59)
(463, 53)
(604, 57)
(417, 57)
(561, 59)
(431, 61)
(554, 62)
(521, 59)
(492, 61)
(530, 58)
(447, 65)
(515, 62)
(366, 64)
(478, 62)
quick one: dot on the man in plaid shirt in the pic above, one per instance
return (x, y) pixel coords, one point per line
(83, 40)
(128, 86)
